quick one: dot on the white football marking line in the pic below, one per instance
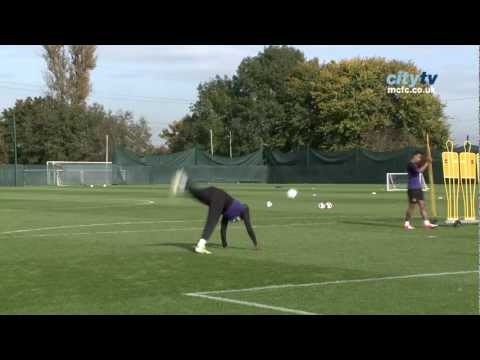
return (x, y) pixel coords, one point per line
(339, 282)
(16, 232)
(254, 304)
(207, 294)
(62, 227)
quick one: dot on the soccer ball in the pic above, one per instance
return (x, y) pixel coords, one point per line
(269, 204)
(292, 193)
(329, 205)
(91, 186)
(374, 193)
(314, 195)
(321, 205)
(104, 185)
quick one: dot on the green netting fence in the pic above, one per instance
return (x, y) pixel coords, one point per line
(262, 166)
(272, 166)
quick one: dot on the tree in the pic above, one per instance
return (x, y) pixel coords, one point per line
(82, 61)
(50, 129)
(179, 135)
(68, 72)
(3, 145)
(353, 109)
(56, 76)
(250, 105)
(280, 99)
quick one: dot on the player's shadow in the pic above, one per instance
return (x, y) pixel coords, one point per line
(190, 247)
(369, 223)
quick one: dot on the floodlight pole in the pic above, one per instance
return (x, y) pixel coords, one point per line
(106, 148)
(211, 141)
(230, 144)
(15, 147)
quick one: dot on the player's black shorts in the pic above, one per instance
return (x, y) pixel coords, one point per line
(414, 195)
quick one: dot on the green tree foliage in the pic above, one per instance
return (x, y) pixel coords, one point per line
(352, 108)
(280, 99)
(50, 129)
(3, 145)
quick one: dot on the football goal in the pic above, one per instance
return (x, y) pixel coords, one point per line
(399, 182)
(68, 173)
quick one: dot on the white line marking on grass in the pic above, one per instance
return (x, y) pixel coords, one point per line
(249, 303)
(208, 294)
(63, 227)
(283, 286)
(113, 232)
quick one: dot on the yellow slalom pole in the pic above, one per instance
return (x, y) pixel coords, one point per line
(433, 198)
(468, 175)
(451, 176)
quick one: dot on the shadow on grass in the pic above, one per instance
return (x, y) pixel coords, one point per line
(189, 247)
(371, 223)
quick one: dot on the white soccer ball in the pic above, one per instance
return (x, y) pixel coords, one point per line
(329, 205)
(321, 205)
(269, 204)
(91, 186)
(292, 193)
(314, 195)
(374, 193)
(104, 185)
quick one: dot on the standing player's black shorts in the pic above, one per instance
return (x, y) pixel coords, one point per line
(415, 195)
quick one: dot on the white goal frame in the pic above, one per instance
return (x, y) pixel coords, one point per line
(390, 188)
(54, 173)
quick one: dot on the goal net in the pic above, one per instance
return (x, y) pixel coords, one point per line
(68, 173)
(399, 182)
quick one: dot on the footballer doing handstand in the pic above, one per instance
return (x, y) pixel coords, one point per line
(416, 166)
(220, 204)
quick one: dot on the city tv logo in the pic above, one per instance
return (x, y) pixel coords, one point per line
(405, 82)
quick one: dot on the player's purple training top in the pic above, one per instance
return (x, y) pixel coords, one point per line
(414, 182)
(234, 210)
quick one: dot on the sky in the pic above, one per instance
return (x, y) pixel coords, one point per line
(160, 82)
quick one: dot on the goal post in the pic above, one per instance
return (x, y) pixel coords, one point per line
(70, 173)
(399, 182)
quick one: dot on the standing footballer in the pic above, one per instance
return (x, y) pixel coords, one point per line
(220, 204)
(416, 166)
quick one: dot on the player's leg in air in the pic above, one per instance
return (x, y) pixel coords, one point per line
(220, 204)
(417, 165)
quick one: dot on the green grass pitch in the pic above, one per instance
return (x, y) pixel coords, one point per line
(128, 250)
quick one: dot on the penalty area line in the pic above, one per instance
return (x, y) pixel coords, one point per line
(209, 294)
(250, 303)
(336, 282)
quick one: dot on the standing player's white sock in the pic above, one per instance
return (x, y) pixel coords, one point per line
(426, 222)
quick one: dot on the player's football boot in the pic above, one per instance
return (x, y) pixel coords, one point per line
(430, 226)
(408, 227)
(202, 250)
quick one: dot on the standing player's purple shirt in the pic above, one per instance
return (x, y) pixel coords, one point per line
(234, 210)
(414, 182)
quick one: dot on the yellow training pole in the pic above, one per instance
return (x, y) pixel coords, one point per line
(468, 175)
(433, 198)
(451, 178)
